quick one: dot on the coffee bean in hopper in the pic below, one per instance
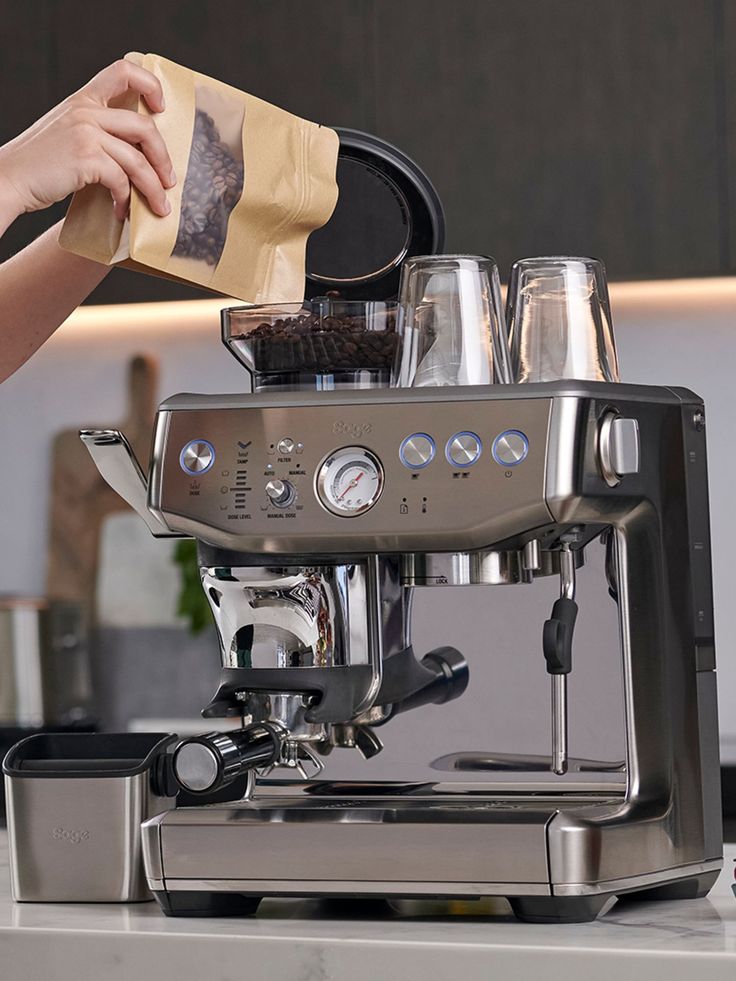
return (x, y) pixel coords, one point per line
(308, 344)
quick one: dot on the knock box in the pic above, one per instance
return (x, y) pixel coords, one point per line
(75, 803)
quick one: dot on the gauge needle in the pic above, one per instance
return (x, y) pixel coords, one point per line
(353, 483)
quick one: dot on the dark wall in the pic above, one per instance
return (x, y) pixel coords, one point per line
(593, 127)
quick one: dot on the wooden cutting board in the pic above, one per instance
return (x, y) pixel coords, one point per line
(80, 498)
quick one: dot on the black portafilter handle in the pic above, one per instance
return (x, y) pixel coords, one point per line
(207, 763)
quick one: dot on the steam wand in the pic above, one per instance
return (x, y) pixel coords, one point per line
(557, 646)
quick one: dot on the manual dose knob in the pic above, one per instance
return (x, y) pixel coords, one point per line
(280, 492)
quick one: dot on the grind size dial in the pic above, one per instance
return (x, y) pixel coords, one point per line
(349, 481)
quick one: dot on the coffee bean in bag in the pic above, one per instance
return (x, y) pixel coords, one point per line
(254, 181)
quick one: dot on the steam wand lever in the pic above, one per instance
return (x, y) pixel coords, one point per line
(557, 646)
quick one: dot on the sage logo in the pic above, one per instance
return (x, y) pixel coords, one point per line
(74, 836)
(354, 429)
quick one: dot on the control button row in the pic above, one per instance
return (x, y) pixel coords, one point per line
(510, 448)
(198, 455)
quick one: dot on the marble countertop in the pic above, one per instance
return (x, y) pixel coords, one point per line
(306, 941)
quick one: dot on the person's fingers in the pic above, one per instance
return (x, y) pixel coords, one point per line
(112, 176)
(141, 131)
(139, 172)
(122, 75)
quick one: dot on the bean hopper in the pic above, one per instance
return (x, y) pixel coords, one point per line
(324, 499)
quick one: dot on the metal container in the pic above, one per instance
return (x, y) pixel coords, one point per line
(75, 803)
(44, 663)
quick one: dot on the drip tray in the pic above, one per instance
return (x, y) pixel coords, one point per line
(453, 844)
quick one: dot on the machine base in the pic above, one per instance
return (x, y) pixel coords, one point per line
(560, 909)
(206, 903)
(356, 846)
(528, 909)
(693, 887)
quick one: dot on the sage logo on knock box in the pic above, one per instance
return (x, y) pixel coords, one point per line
(73, 835)
(354, 429)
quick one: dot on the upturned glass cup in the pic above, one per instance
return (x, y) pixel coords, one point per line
(451, 323)
(559, 320)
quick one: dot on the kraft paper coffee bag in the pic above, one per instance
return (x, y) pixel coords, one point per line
(253, 182)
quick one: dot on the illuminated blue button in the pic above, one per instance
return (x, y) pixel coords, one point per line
(417, 451)
(197, 457)
(510, 448)
(463, 450)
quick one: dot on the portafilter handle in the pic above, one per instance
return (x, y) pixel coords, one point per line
(205, 764)
(113, 456)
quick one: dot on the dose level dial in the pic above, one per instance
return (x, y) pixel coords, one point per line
(350, 481)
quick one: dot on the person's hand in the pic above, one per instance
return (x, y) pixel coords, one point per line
(84, 140)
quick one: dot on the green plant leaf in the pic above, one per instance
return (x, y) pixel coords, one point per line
(192, 603)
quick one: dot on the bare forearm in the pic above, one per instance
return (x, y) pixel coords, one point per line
(39, 288)
(10, 205)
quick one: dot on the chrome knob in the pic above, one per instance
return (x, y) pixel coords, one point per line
(510, 448)
(286, 446)
(417, 451)
(463, 449)
(280, 493)
(197, 456)
(619, 448)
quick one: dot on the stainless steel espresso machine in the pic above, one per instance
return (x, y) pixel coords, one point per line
(324, 499)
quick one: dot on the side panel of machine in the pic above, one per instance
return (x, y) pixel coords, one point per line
(670, 822)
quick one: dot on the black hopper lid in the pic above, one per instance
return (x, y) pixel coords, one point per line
(387, 211)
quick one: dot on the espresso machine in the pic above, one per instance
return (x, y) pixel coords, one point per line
(324, 499)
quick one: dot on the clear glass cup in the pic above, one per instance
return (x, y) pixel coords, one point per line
(559, 320)
(451, 323)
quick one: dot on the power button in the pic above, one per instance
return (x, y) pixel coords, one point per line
(510, 448)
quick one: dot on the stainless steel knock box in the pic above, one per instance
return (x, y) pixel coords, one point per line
(75, 803)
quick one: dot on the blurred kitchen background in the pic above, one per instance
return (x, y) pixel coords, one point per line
(582, 127)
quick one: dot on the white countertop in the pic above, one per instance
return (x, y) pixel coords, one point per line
(289, 939)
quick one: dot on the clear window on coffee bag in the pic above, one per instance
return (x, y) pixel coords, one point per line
(213, 184)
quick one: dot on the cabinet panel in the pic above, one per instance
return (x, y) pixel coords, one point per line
(726, 34)
(25, 78)
(313, 59)
(579, 127)
(589, 126)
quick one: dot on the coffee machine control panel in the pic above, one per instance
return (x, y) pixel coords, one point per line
(375, 475)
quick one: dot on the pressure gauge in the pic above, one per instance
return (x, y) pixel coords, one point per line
(350, 481)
